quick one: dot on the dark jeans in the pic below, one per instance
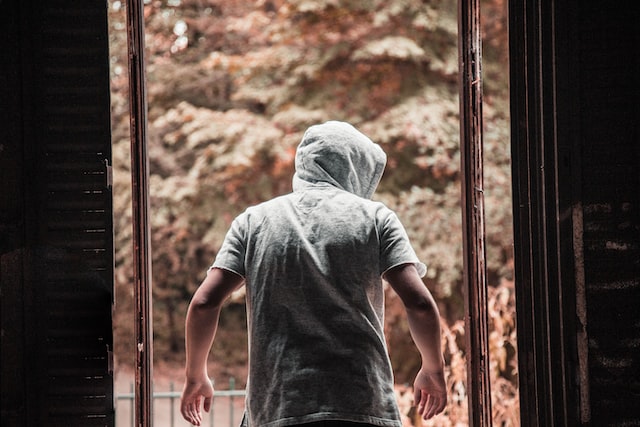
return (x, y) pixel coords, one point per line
(333, 423)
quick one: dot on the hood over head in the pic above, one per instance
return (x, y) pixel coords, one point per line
(338, 154)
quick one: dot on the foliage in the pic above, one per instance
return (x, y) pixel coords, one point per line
(505, 399)
(232, 85)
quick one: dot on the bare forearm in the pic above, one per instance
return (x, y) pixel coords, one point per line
(201, 326)
(424, 325)
(203, 316)
(422, 314)
(430, 390)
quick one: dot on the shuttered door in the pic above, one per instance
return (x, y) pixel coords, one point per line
(67, 256)
(610, 187)
(576, 156)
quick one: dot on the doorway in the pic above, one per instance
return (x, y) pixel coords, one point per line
(238, 105)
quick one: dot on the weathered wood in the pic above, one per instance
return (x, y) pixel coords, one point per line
(471, 144)
(140, 216)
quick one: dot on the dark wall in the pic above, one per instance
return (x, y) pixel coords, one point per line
(56, 238)
(576, 180)
(606, 81)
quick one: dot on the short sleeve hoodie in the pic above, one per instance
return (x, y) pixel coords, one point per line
(313, 261)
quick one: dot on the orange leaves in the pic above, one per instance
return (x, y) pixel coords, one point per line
(505, 400)
(283, 163)
(228, 109)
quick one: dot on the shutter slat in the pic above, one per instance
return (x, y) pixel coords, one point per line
(76, 205)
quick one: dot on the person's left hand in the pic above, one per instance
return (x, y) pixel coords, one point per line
(196, 393)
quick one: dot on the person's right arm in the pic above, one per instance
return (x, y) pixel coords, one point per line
(430, 392)
(201, 326)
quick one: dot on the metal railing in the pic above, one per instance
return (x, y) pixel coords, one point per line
(224, 409)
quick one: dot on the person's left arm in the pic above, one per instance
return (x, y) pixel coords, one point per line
(201, 325)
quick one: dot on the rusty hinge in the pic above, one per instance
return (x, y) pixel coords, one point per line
(109, 360)
(108, 173)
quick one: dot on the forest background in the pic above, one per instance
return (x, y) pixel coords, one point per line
(233, 84)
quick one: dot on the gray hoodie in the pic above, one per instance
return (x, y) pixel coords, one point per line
(338, 154)
(313, 261)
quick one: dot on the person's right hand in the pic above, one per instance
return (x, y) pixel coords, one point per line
(195, 393)
(430, 393)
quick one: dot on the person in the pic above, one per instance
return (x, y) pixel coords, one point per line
(313, 263)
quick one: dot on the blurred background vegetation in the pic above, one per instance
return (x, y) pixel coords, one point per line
(233, 84)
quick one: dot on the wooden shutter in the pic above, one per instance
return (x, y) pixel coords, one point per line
(607, 68)
(59, 265)
(576, 161)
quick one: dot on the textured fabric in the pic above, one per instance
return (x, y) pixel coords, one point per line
(313, 261)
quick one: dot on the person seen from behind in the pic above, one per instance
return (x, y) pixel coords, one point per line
(313, 262)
